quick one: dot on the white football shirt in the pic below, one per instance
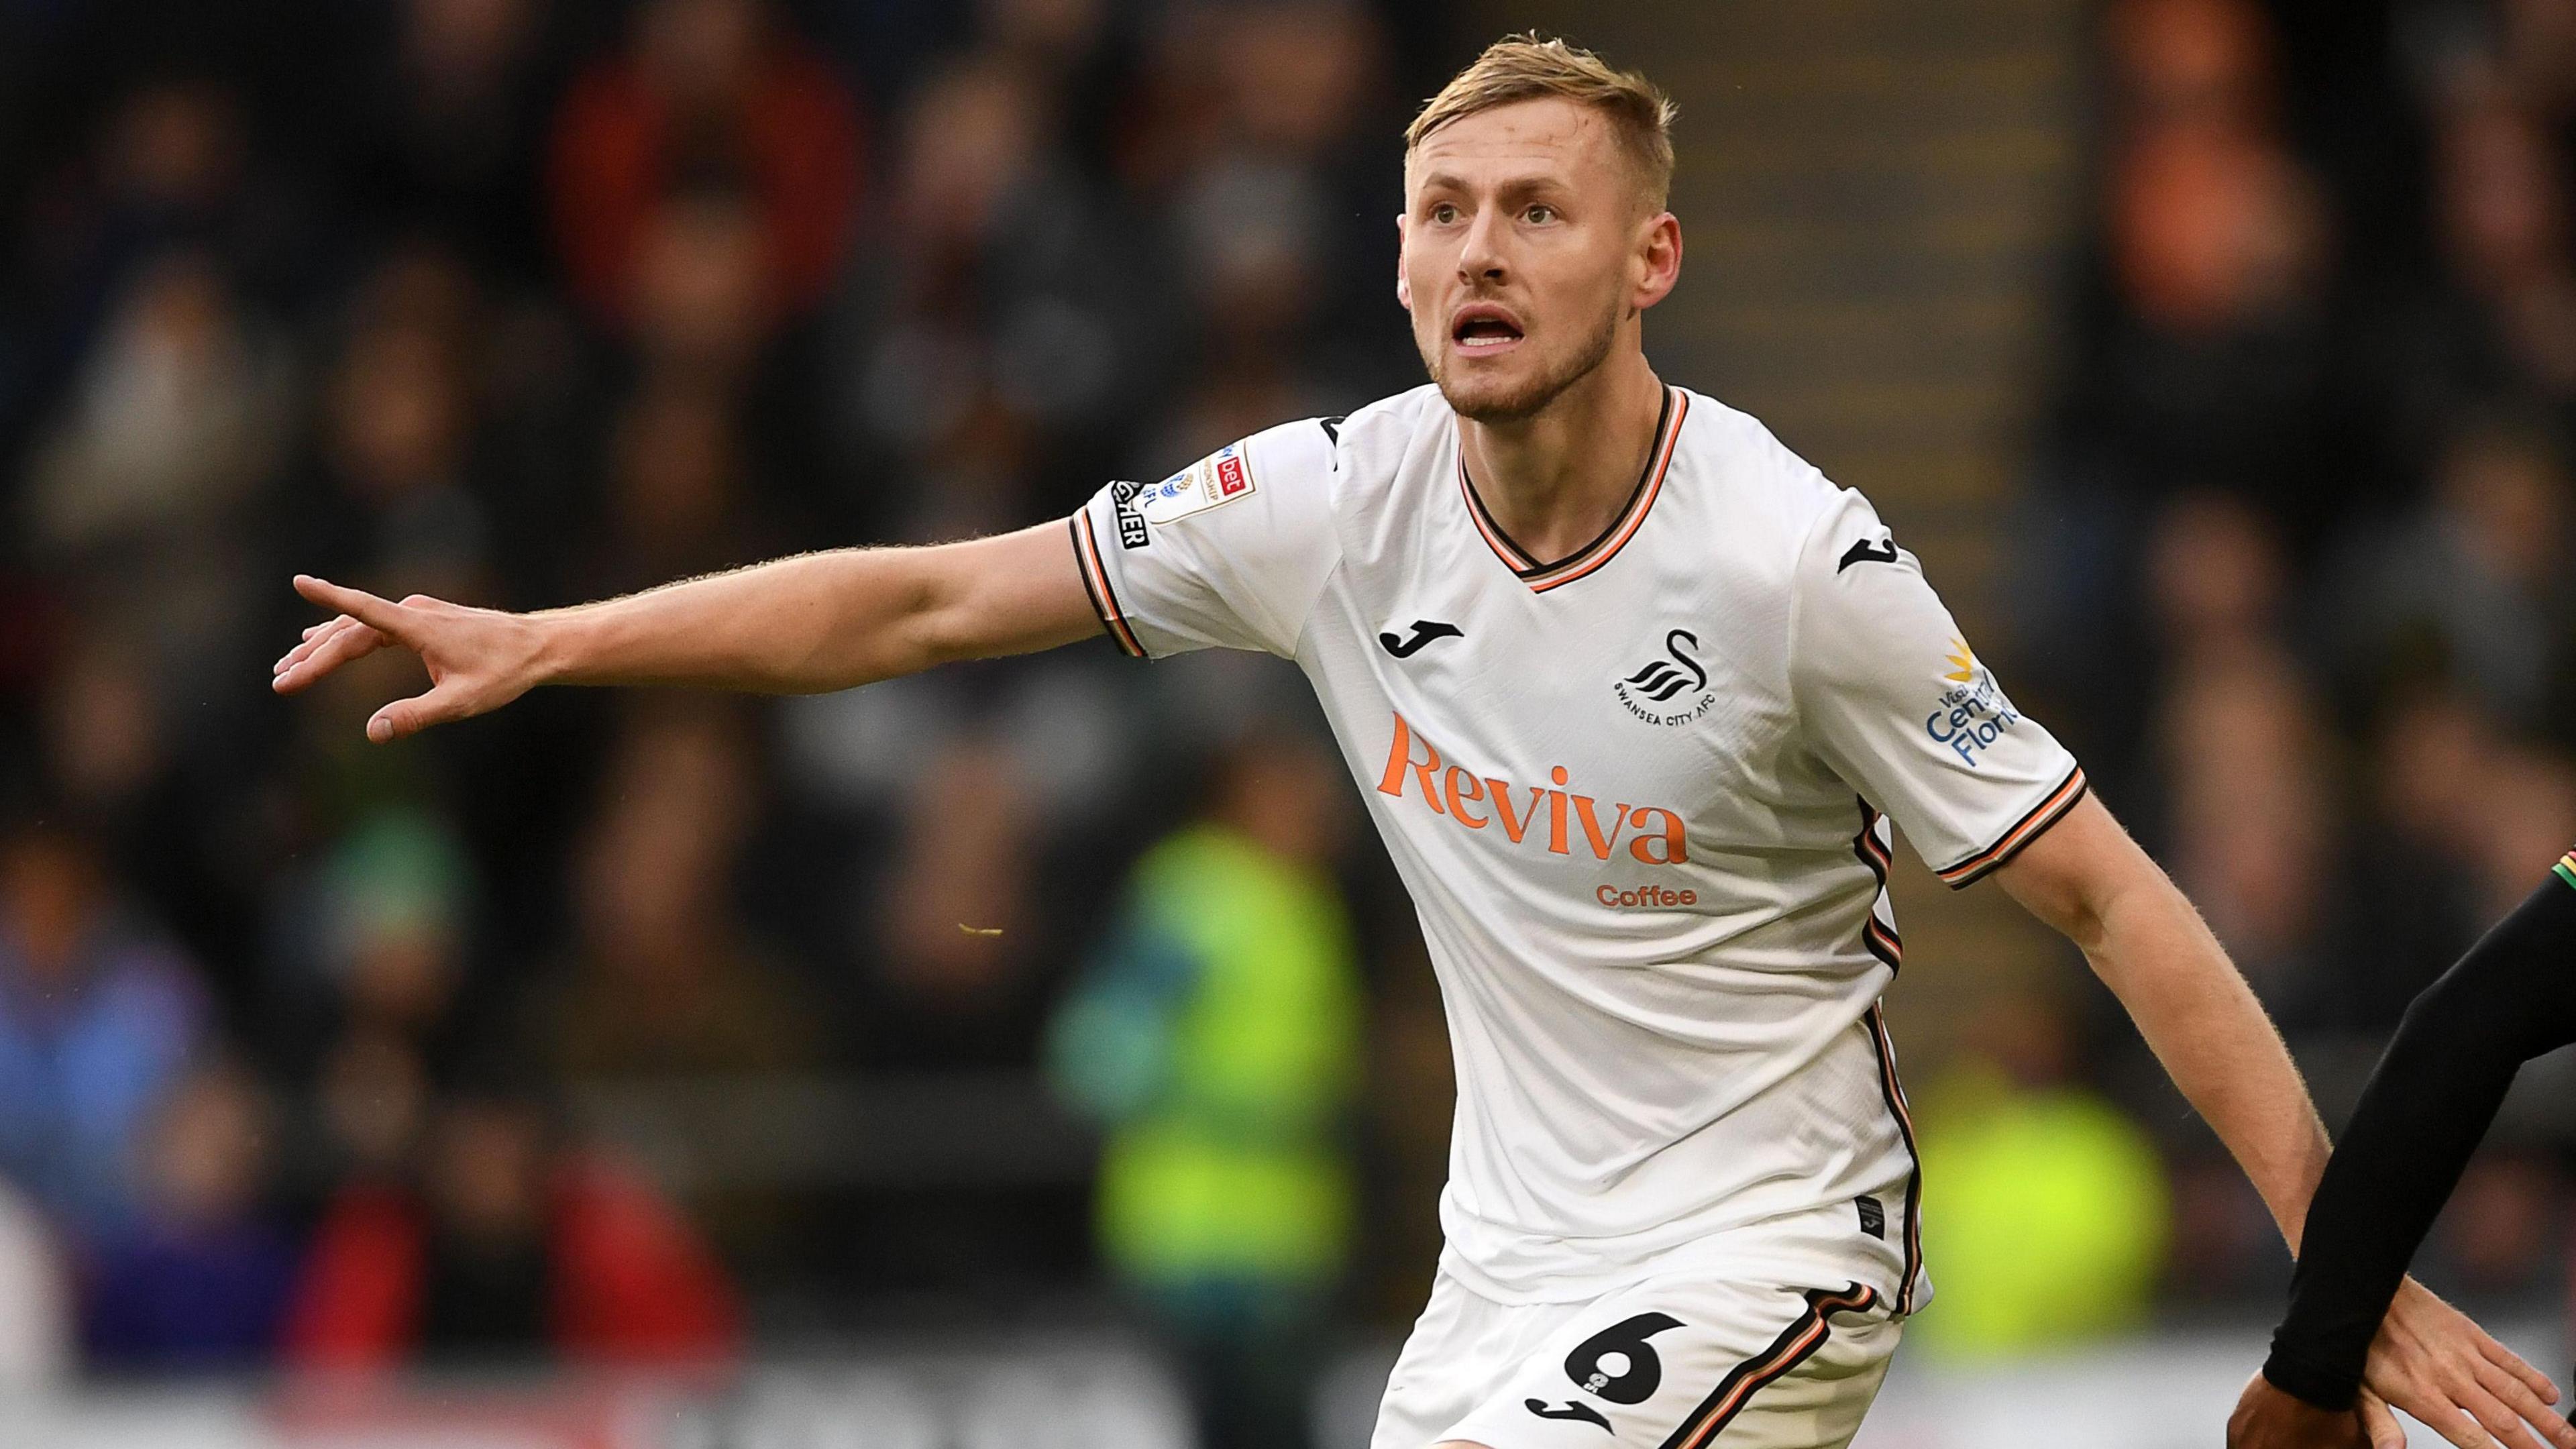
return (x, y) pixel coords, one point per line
(1639, 796)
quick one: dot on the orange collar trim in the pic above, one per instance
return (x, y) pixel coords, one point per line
(1543, 577)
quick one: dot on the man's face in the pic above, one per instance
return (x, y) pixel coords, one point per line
(1526, 243)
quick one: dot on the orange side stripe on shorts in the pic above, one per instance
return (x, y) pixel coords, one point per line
(1802, 1337)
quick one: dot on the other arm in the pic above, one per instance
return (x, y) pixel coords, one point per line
(2429, 1101)
(2086, 878)
(804, 625)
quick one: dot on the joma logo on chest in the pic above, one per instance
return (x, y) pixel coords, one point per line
(1652, 834)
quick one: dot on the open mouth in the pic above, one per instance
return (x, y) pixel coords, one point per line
(1484, 328)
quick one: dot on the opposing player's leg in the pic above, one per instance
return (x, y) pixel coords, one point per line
(1666, 1364)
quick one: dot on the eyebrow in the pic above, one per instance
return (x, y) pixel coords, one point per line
(1516, 185)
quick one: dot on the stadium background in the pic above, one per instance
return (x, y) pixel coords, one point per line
(658, 1069)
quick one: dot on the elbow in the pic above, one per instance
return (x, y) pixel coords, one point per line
(2450, 1041)
(2138, 901)
(2118, 928)
(915, 626)
(940, 615)
(2484, 1007)
(2437, 1012)
(931, 631)
(2088, 916)
(2087, 923)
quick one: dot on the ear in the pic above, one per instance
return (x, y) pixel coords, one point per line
(1403, 288)
(1659, 260)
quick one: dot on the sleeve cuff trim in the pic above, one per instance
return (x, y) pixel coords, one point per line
(1095, 582)
(2025, 830)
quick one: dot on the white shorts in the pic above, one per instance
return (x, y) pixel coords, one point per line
(1666, 1363)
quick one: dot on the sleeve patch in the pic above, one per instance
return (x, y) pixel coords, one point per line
(1222, 477)
(1972, 713)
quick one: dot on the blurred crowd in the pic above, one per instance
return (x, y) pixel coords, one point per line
(2296, 582)
(640, 1027)
(318, 1053)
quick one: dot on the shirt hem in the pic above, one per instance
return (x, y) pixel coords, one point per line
(1802, 1247)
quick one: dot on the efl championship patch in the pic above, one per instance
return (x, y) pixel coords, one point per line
(1221, 477)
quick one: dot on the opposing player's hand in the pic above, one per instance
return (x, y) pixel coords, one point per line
(2431, 1361)
(2267, 1418)
(478, 659)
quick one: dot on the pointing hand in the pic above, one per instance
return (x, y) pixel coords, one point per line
(478, 659)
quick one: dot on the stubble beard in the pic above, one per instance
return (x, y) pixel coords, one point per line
(1532, 397)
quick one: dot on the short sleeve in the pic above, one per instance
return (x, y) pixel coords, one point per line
(1891, 697)
(1229, 553)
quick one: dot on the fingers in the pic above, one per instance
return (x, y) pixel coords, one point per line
(2512, 1363)
(366, 623)
(2488, 1422)
(314, 639)
(383, 615)
(2380, 1423)
(2506, 1395)
(342, 640)
(2459, 1427)
(2434, 1363)
(2525, 1404)
(2473, 1418)
(400, 718)
(410, 716)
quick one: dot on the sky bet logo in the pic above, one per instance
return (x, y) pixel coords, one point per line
(1973, 713)
(1232, 480)
(1561, 817)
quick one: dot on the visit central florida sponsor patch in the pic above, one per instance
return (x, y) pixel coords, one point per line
(1972, 713)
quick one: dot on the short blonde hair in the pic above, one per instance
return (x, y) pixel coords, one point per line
(1529, 66)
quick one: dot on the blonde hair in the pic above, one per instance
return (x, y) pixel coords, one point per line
(1528, 66)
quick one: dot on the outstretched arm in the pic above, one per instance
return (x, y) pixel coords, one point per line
(802, 625)
(2086, 878)
(2511, 998)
